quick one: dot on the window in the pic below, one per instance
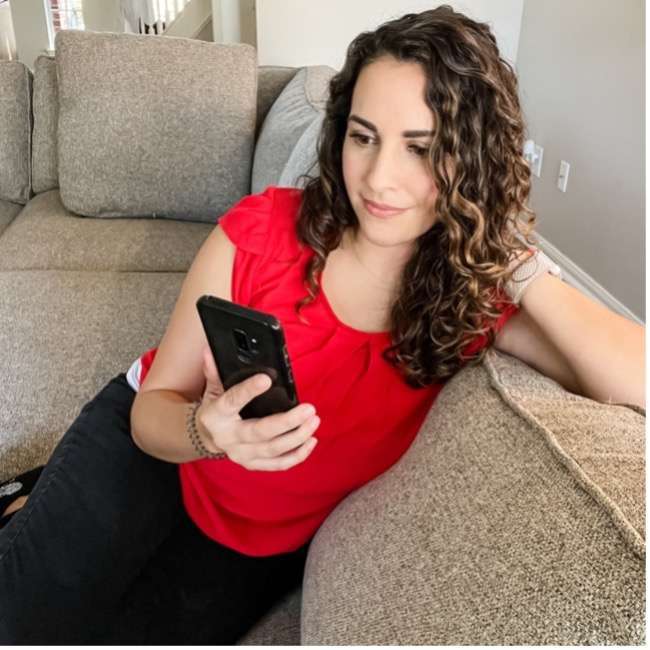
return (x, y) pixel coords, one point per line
(65, 14)
(137, 16)
(62, 14)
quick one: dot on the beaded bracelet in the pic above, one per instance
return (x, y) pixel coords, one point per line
(196, 439)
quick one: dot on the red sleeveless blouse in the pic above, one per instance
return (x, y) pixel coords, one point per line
(369, 415)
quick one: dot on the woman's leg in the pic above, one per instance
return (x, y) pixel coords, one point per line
(97, 513)
(195, 591)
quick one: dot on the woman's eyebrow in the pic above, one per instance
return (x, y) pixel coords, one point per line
(373, 128)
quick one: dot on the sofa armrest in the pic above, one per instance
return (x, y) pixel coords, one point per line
(516, 517)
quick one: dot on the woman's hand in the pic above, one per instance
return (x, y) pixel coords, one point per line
(272, 443)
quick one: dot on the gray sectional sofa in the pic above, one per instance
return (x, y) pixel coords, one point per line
(516, 517)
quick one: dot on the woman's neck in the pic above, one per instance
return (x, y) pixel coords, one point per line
(380, 265)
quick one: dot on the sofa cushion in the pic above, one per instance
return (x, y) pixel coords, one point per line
(8, 212)
(15, 131)
(271, 80)
(304, 157)
(46, 107)
(515, 518)
(175, 141)
(301, 102)
(48, 236)
(63, 335)
(278, 627)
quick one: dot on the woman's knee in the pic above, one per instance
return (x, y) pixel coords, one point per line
(104, 422)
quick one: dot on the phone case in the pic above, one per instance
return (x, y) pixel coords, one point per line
(245, 342)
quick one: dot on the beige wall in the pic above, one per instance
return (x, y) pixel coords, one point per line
(297, 33)
(581, 72)
(31, 32)
(7, 39)
(30, 29)
(236, 19)
(102, 16)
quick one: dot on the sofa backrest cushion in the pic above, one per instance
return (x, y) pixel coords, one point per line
(300, 104)
(46, 110)
(154, 126)
(270, 82)
(8, 212)
(304, 156)
(516, 517)
(16, 82)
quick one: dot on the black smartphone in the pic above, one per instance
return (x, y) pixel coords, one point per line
(245, 342)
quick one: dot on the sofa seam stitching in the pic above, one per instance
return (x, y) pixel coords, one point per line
(630, 535)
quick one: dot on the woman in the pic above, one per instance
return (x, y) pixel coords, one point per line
(162, 516)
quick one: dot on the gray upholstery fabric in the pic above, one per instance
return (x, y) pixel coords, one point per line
(63, 335)
(271, 80)
(15, 131)
(304, 157)
(300, 103)
(516, 517)
(174, 142)
(46, 108)
(8, 212)
(47, 236)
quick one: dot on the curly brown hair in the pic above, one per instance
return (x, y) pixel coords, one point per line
(450, 285)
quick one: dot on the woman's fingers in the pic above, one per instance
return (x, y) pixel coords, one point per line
(287, 441)
(285, 461)
(272, 443)
(271, 426)
(237, 396)
(213, 384)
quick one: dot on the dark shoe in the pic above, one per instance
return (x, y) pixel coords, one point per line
(16, 487)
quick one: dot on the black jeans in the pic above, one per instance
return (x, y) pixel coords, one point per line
(104, 552)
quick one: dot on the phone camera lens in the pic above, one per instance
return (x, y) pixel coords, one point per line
(241, 340)
(244, 344)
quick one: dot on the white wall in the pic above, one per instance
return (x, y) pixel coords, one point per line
(102, 16)
(235, 20)
(7, 39)
(30, 24)
(30, 29)
(581, 72)
(298, 33)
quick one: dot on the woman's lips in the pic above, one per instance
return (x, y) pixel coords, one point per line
(380, 212)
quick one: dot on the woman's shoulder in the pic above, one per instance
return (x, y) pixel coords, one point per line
(264, 221)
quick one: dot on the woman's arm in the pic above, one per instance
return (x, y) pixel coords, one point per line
(605, 351)
(159, 427)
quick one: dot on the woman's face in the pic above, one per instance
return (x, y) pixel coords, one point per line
(383, 165)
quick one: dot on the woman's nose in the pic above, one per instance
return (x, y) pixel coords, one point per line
(382, 172)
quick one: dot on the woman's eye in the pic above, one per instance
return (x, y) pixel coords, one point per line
(357, 137)
(362, 140)
(420, 151)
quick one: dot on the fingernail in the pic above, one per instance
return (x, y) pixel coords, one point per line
(263, 381)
